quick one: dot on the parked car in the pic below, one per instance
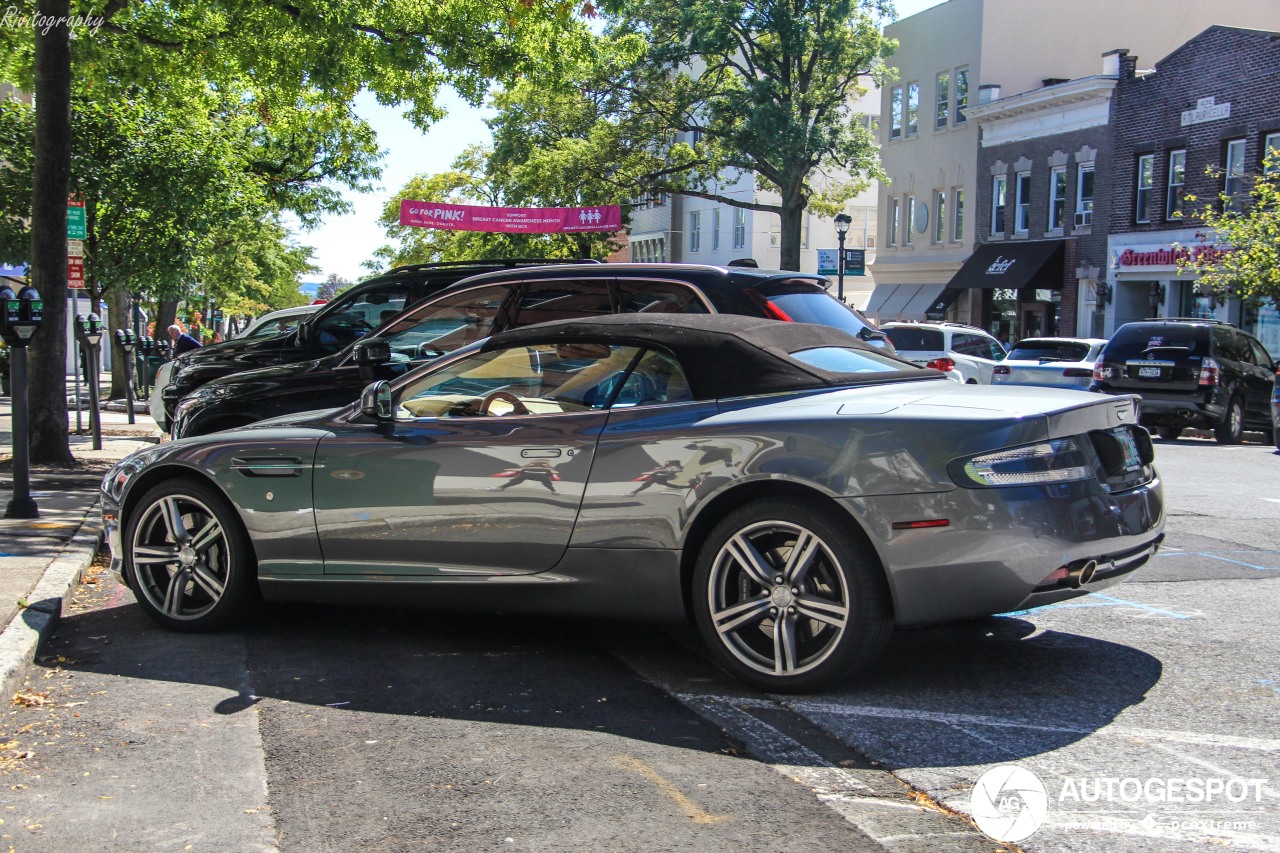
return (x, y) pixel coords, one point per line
(1191, 373)
(1050, 362)
(796, 492)
(270, 324)
(276, 322)
(353, 313)
(494, 302)
(967, 353)
(1275, 409)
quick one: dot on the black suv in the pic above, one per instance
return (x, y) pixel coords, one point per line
(494, 302)
(1190, 373)
(352, 314)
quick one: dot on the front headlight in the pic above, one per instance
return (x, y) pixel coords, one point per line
(1058, 460)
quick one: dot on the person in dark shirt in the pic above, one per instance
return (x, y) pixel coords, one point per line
(182, 342)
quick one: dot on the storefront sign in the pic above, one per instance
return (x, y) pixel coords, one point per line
(1206, 110)
(1171, 256)
(510, 220)
(1000, 265)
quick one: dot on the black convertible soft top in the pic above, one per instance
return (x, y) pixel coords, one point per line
(723, 355)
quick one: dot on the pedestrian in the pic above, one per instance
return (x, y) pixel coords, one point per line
(541, 472)
(662, 475)
(182, 342)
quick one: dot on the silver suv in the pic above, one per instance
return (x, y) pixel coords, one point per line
(965, 353)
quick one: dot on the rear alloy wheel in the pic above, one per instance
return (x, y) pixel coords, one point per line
(187, 557)
(1169, 433)
(1231, 429)
(787, 598)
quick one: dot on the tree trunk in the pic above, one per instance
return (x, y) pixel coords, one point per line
(166, 313)
(47, 392)
(792, 215)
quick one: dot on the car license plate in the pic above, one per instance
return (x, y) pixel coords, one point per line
(1148, 373)
(1129, 447)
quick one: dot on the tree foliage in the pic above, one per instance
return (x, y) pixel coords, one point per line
(1250, 269)
(762, 87)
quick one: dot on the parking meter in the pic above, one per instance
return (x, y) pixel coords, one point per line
(126, 341)
(21, 316)
(89, 333)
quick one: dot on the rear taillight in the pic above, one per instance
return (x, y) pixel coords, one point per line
(775, 313)
(1209, 371)
(942, 363)
(1077, 372)
(1001, 370)
(1102, 372)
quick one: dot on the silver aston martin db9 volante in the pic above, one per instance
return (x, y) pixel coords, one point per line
(794, 492)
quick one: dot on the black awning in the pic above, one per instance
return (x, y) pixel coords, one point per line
(1013, 266)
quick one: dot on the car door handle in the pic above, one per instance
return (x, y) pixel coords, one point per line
(540, 452)
(270, 466)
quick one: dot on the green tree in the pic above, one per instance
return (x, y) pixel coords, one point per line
(1250, 270)
(765, 87)
(332, 286)
(275, 55)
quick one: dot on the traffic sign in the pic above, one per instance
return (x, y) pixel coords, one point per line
(75, 220)
(828, 260)
(75, 248)
(75, 273)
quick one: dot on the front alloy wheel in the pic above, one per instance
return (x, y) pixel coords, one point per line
(789, 600)
(187, 557)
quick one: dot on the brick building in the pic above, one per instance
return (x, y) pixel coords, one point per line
(1198, 125)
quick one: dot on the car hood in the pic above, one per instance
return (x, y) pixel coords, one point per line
(272, 374)
(230, 349)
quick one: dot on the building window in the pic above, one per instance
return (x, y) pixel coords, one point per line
(695, 232)
(715, 229)
(943, 101)
(1233, 186)
(1084, 195)
(1057, 197)
(908, 224)
(1146, 180)
(913, 108)
(1177, 184)
(895, 215)
(957, 230)
(1022, 222)
(739, 227)
(999, 186)
(940, 216)
(962, 94)
(895, 112)
(1271, 154)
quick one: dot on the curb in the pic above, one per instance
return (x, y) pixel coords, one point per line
(21, 639)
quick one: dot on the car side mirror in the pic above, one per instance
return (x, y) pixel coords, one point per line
(369, 354)
(306, 333)
(375, 401)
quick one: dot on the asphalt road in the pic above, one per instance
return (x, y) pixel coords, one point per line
(326, 729)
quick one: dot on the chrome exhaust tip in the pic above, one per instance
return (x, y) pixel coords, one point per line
(1081, 573)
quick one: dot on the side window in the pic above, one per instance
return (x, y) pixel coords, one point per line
(539, 379)
(637, 296)
(997, 352)
(657, 378)
(448, 322)
(1260, 355)
(1227, 344)
(570, 299)
(361, 316)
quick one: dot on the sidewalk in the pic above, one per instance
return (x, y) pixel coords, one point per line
(41, 559)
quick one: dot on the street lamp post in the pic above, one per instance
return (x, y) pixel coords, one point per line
(843, 221)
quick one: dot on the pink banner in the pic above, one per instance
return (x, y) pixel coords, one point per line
(510, 220)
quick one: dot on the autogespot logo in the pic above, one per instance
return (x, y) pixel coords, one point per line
(1009, 803)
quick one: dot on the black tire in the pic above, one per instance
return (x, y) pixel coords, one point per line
(1169, 433)
(184, 531)
(1230, 430)
(849, 617)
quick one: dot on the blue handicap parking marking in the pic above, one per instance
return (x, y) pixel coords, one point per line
(1218, 555)
(1098, 599)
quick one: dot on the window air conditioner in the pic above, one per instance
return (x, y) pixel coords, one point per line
(1085, 217)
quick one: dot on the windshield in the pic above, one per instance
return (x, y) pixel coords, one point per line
(847, 360)
(1041, 350)
(807, 302)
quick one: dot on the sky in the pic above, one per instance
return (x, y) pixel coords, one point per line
(342, 243)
